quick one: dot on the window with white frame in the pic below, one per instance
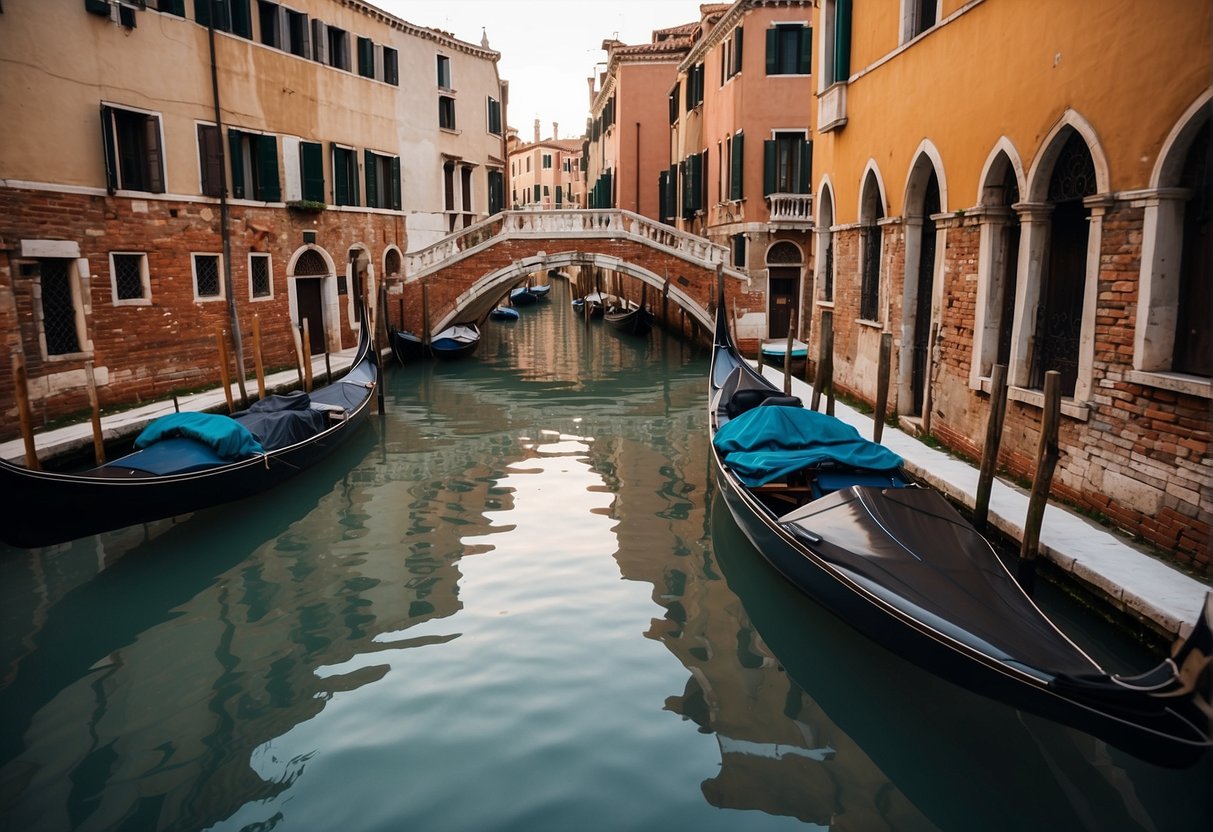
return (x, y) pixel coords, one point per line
(382, 180)
(254, 164)
(446, 112)
(134, 151)
(789, 49)
(129, 283)
(444, 72)
(208, 277)
(917, 16)
(260, 276)
(60, 304)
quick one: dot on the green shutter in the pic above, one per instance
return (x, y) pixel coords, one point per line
(372, 192)
(176, 7)
(737, 168)
(536, 193)
(202, 12)
(341, 185)
(772, 50)
(805, 183)
(737, 41)
(842, 40)
(770, 153)
(237, 161)
(267, 169)
(242, 21)
(395, 183)
(311, 157)
(806, 51)
(101, 7)
(366, 57)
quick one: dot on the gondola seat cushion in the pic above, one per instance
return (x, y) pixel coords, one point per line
(764, 444)
(280, 421)
(749, 397)
(229, 439)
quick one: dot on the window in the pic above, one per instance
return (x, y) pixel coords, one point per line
(269, 15)
(260, 277)
(391, 66)
(730, 55)
(60, 304)
(207, 285)
(338, 48)
(176, 7)
(737, 166)
(444, 72)
(129, 284)
(133, 150)
(231, 16)
(787, 164)
(297, 40)
(869, 232)
(836, 62)
(446, 112)
(382, 180)
(692, 184)
(674, 100)
(694, 87)
(210, 160)
(366, 57)
(345, 176)
(494, 116)
(311, 170)
(254, 163)
(547, 161)
(917, 16)
(739, 250)
(789, 49)
(496, 188)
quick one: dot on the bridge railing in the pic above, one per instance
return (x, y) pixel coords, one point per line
(572, 223)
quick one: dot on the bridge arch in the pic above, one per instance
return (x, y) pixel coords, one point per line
(461, 277)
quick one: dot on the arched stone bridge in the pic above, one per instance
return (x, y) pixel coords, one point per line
(463, 276)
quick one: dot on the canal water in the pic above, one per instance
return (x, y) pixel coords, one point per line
(514, 603)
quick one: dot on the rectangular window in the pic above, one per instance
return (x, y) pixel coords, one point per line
(345, 176)
(739, 250)
(260, 279)
(232, 16)
(60, 302)
(269, 15)
(444, 72)
(366, 57)
(382, 180)
(496, 187)
(176, 7)
(133, 152)
(789, 49)
(446, 112)
(869, 277)
(391, 66)
(210, 160)
(737, 166)
(694, 87)
(338, 47)
(547, 161)
(675, 95)
(207, 283)
(787, 164)
(129, 284)
(730, 55)
(254, 164)
(298, 34)
(918, 16)
(311, 170)
(494, 116)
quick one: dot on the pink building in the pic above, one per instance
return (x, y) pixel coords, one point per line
(546, 173)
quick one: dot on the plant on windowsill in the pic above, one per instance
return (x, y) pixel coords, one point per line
(307, 206)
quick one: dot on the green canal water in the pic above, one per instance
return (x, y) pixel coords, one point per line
(514, 603)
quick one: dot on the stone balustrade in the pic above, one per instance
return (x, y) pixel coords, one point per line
(791, 209)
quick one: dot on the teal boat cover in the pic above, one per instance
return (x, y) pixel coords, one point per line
(228, 438)
(766, 443)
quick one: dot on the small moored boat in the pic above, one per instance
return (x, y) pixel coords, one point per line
(523, 296)
(840, 519)
(458, 341)
(774, 350)
(630, 318)
(504, 313)
(406, 346)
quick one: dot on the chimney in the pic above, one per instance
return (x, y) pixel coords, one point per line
(536, 131)
(555, 130)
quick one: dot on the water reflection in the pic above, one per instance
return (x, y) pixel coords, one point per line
(510, 604)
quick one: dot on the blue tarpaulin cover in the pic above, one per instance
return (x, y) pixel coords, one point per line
(766, 443)
(229, 439)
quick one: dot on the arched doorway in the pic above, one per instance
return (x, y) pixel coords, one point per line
(784, 262)
(920, 360)
(310, 272)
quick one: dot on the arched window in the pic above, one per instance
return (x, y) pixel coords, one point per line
(311, 262)
(1193, 350)
(825, 245)
(871, 213)
(998, 267)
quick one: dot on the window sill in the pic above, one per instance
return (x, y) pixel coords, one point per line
(869, 324)
(452, 130)
(1175, 382)
(825, 304)
(1036, 398)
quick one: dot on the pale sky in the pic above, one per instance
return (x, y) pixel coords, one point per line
(548, 47)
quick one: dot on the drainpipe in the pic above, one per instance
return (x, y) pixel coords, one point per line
(638, 167)
(224, 230)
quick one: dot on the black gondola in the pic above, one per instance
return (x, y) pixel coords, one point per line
(189, 461)
(627, 317)
(406, 346)
(457, 341)
(841, 520)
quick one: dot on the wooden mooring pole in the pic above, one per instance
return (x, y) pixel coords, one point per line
(882, 385)
(258, 361)
(825, 349)
(21, 380)
(1046, 462)
(95, 406)
(306, 337)
(989, 454)
(225, 377)
(787, 357)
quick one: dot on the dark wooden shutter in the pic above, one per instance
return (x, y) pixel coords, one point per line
(842, 40)
(395, 183)
(311, 156)
(366, 58)
(772, 50)
(242, 19)
(154, 160)
(111, 152)
(101, 7)
(236, 152)
(806, 51)
(372, 191)
(202, 12)
(770, 153)
(391, 66)
(737, 41)
(737, 168)
(210, 158)
(267, 169)
(805, 183)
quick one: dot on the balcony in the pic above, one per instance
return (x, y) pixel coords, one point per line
(832, 108)
(791, 211)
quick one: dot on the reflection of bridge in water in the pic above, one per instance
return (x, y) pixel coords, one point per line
(463, 276)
